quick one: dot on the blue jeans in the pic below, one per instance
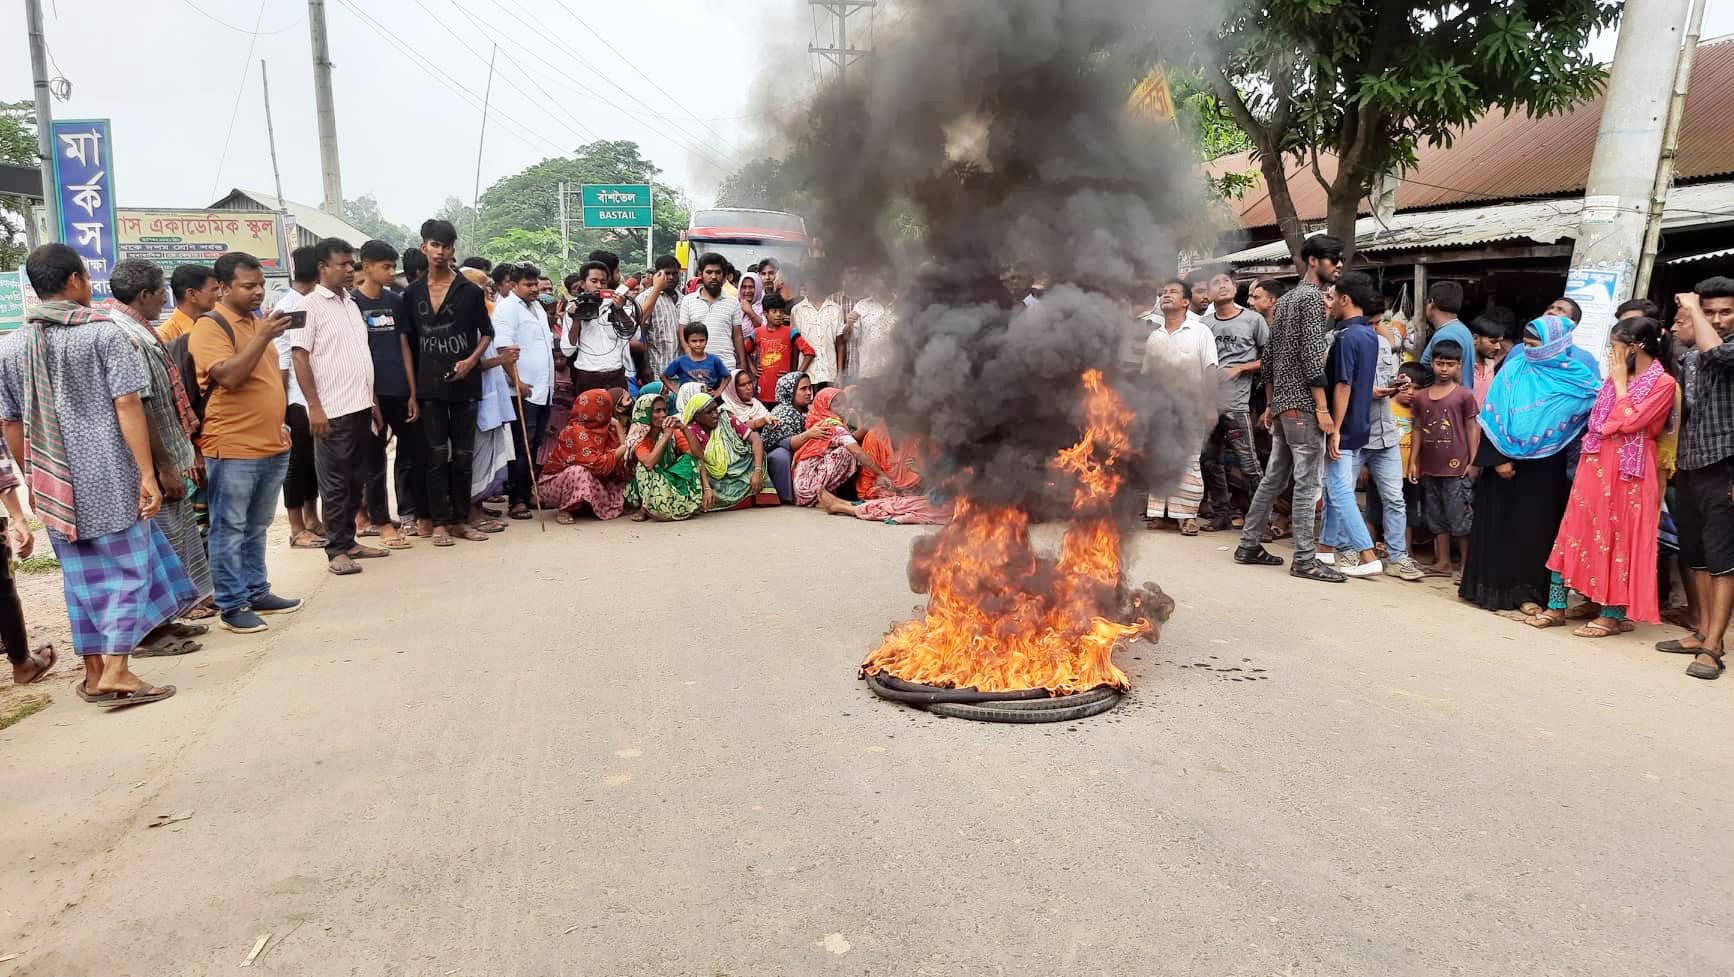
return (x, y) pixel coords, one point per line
(1344, 528)
(243, 500)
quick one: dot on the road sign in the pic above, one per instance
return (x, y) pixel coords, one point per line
(84, 189)
(616, 205)
(11, 300)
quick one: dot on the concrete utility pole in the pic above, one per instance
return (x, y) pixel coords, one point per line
(1616, 207)
(328, 167)
(44, 115)
(271, 133)
(1670, 148)
(841, 55)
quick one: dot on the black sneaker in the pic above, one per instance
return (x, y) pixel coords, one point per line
(1314, 570)
(244, 621)
(1256, 556)
(272, 604)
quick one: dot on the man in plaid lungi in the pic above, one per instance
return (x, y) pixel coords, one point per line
(75, 370)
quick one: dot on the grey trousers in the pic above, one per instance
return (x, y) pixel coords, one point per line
(1297, 449)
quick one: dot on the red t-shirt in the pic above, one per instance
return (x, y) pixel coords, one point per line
(776, 349)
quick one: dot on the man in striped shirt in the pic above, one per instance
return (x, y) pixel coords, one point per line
(659, 315)
(334, 365)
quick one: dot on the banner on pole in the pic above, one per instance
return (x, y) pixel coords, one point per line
(84, 189)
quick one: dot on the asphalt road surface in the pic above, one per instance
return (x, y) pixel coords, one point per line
(642, 750)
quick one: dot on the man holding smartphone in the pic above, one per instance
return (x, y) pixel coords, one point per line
(445, 332)
(659, 315)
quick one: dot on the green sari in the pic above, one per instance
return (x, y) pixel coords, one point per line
(671, 488)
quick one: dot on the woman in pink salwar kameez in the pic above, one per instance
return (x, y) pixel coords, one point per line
(1606, 548)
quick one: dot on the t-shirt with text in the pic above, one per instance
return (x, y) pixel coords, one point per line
(383, 315)
(442, 338)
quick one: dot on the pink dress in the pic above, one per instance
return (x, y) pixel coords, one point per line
(1606, 547)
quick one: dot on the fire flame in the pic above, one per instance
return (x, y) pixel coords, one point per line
(1001, 618)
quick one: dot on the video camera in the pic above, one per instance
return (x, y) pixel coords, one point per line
(595, 305)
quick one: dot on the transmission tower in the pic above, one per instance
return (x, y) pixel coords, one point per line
(840, 54)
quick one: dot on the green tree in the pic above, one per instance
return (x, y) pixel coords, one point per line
(769, 184)
(541, 248)
(17, 146)
(529, 201)
(364, 215)
(1368, 81)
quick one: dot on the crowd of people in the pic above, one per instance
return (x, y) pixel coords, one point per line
(1512, 460)
(156, 451)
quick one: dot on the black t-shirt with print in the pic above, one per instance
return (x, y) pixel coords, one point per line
(384, 316)
(441, 339)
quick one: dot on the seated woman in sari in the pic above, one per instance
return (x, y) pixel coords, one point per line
(1606, 548)
(826, 454)
(733, 457)
(788, 419)
(895, 494)
(738, 400)
(665, 483)
(588, 464)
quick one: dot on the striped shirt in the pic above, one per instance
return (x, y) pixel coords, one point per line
(661, 334)
(335, 339)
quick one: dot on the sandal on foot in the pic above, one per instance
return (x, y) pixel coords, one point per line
(1700, 670)
(1188, 527)
(343, 566)
(564, 518)
(92, 697)
(1545, 620)
(469, 533)
(1601, 627)
(1677, 646)
(167, 648)
(1584, 612)
(142, 696)
(519, 512)
(307, 539)
(442, 538)
(398, 542)
(200, 613)
(369, 531)
(179, 630)
(368, 553)
(1531, 608)
(44, 664)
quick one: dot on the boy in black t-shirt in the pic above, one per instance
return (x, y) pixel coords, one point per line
(383, 313)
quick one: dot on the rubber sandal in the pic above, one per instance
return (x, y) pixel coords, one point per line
(1543, 621)
(91, 697)
(46, 666)
(307, 539)
(1531, 608)
(168, 648)
(368, 532)
(368, 553)
(1700, 670)
(1583, 612)
(564, 519)
(443, 539)
(519, 512)
(398, 542)
(179, 630)
(1314, 570)
(1595, 629)
(1676, 646)
(1188, 527)
(349, 568)
(200, 613)
(490, 526)
(471, 535)
(142, 697)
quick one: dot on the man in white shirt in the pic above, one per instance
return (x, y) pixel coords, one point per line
(870, 323)
(334, 366)
(521, 326)
(719, 313)
(301, 482)
(822, 326)
(600, 355)
(1179, 342)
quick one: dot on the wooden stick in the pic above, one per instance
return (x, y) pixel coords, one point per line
(524, 429)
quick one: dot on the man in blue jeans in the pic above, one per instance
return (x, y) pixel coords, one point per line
(243, 439)
(1358, 404)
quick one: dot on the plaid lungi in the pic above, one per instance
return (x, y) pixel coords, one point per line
(181, 527)
(121, 586)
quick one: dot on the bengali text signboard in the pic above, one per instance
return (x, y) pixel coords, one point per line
(84, 193)
(617, 205)
(11, 300)
(171, 238)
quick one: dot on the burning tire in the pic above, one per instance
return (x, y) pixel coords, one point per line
(1023, 706)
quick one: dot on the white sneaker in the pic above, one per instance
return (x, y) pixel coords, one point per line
(1328, 559)
(1367, 569)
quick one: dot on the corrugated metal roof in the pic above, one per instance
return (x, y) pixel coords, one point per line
(1507, 157)
(1536, 221)
(1706, 256)
(308, 218)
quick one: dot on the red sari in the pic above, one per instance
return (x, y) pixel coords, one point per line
(583, 468)
(1606, 547)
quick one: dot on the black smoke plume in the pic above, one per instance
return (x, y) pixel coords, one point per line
(998, 130)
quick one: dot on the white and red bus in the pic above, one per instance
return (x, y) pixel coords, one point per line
(745, 237)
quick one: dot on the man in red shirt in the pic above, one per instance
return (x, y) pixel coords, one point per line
(773, 347)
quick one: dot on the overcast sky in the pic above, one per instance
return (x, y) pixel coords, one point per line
(170, 73)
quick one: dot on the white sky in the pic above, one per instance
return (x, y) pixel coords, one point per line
(170, 77)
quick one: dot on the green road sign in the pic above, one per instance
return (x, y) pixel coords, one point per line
(11, 300)
(617, 205)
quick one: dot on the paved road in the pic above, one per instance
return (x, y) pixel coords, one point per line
(545, 756)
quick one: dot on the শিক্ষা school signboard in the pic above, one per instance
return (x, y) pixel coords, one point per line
(84, 194)
(616, 205)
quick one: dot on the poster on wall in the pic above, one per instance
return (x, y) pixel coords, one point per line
(1598, 291)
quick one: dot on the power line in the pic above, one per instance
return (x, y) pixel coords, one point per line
(223, 157)
(242, 30)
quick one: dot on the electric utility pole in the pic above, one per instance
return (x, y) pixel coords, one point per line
(840, 54)
(1616, 206)
(328, 168)
(44, 115)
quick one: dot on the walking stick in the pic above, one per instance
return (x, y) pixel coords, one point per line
(524, 430)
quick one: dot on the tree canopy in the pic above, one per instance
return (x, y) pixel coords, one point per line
(17, 146)
(1367, 81)
(364, 215)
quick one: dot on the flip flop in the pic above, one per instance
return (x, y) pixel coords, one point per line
(93, 697)
(491, 526)
(307, 539)
(398, 542)
(519, 512)
(348, 568)
(1595, 629)
(200, 613)
(369, 531)
(1542, 621)
(564, 519)
(46, 666)
(143, 696)
(470, 534)
(367, 553)
(168, 648)
(444, 539)
(1531, 608)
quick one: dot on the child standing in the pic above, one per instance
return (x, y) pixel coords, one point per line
(1403, 412)
(695, 367)
(774, 347)
(1444, 440)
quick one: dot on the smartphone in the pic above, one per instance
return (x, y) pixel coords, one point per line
(297, 319)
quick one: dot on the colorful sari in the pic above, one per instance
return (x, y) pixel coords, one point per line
(583, 467)
(823, 462)
(899, 459)
(786, 419)
(670, 489)
(728, 460)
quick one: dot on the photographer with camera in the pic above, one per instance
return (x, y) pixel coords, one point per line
(597, 339)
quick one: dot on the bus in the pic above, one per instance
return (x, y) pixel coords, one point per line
(745, 237)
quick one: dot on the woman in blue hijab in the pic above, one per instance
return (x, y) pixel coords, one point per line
(1538, 405)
